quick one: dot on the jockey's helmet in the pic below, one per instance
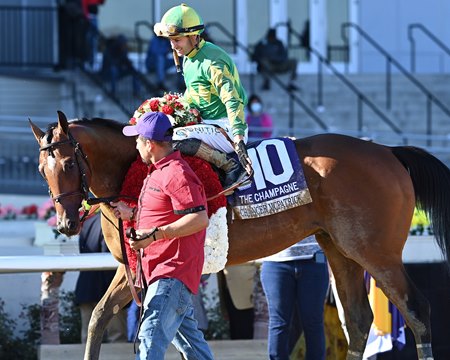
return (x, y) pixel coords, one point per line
(181, 20)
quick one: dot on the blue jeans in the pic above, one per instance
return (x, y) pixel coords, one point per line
(132, 320)
(169, 317)
(301, 283)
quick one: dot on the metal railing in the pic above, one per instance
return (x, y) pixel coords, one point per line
(430, 35)
(390, 61)
(18, 169)
(33, 36)
(28, 36)
(293, 97)
(361, 98)
(131, 86)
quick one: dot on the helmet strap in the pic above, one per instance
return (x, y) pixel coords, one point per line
(194, 42)
(176, 60)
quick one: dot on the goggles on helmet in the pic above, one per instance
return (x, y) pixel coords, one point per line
(173, 30)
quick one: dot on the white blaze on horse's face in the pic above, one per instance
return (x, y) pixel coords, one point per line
(51, 163)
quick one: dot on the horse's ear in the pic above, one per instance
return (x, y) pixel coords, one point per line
(62, 122)
(38, 133)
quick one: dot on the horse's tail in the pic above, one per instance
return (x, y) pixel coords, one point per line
(431, 181)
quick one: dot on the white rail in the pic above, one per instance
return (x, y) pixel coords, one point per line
(418, 249)
(41, 263)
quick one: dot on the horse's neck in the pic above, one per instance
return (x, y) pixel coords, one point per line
(109, 155)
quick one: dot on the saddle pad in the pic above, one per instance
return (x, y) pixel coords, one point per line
(278, 183)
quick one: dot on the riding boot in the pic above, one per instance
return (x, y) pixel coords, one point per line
(234, 172)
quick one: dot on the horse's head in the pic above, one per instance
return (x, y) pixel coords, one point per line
(64, 166)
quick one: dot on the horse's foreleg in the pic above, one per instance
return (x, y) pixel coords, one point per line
(349, 277)
(116, 297)
(398, 287)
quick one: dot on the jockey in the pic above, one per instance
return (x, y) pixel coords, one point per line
(213, 87)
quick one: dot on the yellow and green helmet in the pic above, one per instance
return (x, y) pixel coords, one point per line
(181, 20)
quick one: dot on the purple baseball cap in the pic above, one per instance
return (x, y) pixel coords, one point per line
(152, 125)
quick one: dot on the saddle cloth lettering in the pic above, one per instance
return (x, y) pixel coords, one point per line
(278, 183)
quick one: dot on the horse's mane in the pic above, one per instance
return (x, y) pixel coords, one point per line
(89, 122)
(100, 122)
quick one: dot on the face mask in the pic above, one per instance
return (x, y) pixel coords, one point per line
(256, 107)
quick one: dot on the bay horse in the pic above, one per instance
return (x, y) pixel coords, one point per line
(363, 195)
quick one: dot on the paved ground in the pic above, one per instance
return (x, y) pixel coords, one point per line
(223, 350)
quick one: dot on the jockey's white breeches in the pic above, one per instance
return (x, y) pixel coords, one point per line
(209, 134)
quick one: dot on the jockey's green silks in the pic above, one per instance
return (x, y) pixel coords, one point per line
(213, 85)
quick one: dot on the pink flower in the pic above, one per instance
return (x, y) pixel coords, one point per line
(132, 121)
(46, 210)
(51, 221)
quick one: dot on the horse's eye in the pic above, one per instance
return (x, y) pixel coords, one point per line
(69, 165)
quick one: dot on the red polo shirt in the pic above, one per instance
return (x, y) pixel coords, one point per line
(170, 191)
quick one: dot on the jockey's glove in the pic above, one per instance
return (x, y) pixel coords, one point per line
(244, 159)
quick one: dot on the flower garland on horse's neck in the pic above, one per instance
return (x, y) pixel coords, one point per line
(174, 106)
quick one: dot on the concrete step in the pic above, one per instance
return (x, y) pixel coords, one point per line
(222, 350)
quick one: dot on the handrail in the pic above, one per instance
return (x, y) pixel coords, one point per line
(427, 32)
(361, 97)
(292, 96)
(431, 98)
(127, 104)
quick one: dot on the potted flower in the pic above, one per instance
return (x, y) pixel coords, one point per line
(15, 225)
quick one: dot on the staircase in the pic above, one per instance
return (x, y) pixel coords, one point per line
(339, 108)
(77, 95)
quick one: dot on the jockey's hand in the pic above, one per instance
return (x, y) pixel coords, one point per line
(244, 159)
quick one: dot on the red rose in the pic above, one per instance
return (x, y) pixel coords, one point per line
(154, 105)
(132, 121)
(166, 109)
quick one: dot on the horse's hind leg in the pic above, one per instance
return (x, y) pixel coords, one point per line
(349, 277)
(116, 297)
(398, 287)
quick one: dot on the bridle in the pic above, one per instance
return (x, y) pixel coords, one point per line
(79, 157)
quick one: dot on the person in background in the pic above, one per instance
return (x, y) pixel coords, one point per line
(157, 59)
(171, 229)
(214, 88)
(257, 119)
(271, 56)
(235, 290)
(72, 34)
(117, 65)
(296, 277)
(90, 10)
(91, 285)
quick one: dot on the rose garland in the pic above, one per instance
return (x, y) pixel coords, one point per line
(174, 106)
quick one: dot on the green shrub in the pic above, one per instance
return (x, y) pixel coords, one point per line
(218, 326)
(24, 347)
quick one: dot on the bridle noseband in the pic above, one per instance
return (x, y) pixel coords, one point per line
(79, 155)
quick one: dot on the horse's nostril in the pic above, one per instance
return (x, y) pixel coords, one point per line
(71, 225)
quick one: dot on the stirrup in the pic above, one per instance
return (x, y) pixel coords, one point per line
(228, 191)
